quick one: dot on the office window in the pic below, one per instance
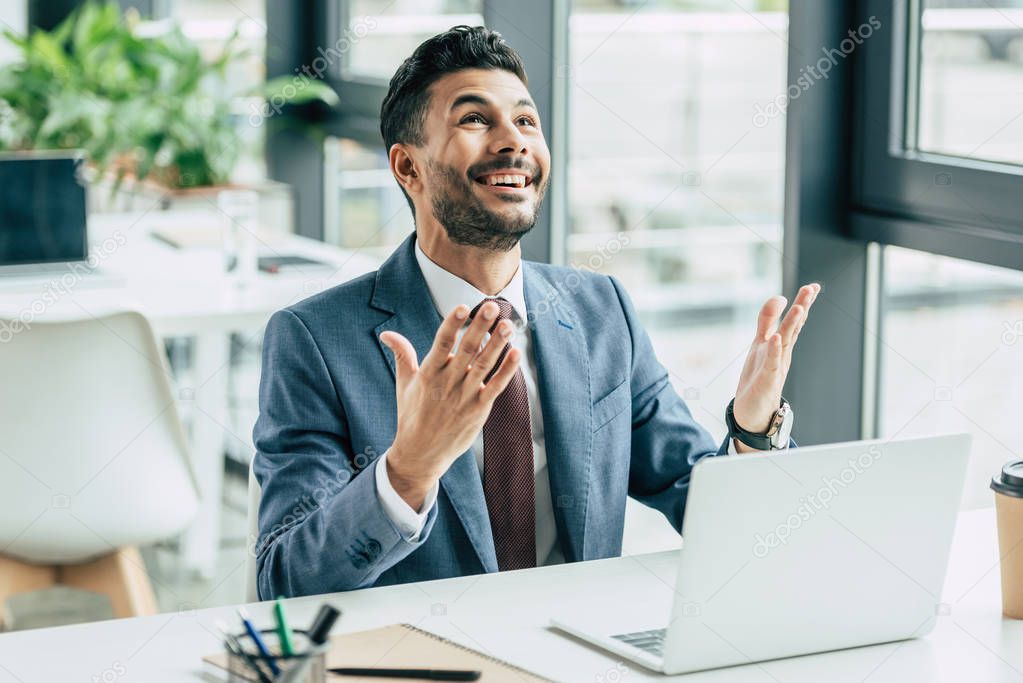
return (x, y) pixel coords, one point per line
(939, 127)
(210, 23)
(675, 183)
(13, 17)
(674, 186)
(951, 353)
(384, 32)
(365, 209)
(971, 79)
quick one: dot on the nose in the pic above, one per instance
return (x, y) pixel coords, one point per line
(508, 139)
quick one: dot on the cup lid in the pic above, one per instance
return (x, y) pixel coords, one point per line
(1010, 480)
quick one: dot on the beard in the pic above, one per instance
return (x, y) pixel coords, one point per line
(468, 221)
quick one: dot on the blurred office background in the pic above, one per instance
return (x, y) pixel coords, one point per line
(668, 121)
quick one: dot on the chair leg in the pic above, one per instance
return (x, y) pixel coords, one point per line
(21, 577)
(121, 576)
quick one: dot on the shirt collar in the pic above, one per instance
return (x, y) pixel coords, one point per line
(449, 290)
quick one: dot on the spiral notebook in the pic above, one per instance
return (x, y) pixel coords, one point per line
(404, 645)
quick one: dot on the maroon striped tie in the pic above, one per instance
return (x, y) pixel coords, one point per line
(508, 466)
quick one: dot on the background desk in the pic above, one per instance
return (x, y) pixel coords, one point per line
(506, 614)
(184, 293)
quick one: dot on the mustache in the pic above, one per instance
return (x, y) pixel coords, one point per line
(501, 164)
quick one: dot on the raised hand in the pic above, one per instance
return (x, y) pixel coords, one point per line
(767, 364)
(443, 403)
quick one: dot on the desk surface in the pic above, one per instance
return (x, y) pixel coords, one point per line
(181, 291)
(506, 615)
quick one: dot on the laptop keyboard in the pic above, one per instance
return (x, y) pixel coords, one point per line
(651, 641)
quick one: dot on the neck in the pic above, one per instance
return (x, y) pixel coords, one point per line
(487, 270)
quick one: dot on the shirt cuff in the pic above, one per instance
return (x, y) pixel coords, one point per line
(409, 522)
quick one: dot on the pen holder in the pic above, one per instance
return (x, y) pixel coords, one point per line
(313, 661)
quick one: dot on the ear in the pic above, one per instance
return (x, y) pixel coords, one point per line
(404, 168)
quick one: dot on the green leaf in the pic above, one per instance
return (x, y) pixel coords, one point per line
(48, 54)
(301, 89)
(20, 42)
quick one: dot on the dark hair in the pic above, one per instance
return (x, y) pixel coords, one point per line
(403, 112)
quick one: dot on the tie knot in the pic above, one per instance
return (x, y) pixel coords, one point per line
(504, 309)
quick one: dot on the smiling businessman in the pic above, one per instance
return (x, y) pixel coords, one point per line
(461, 410)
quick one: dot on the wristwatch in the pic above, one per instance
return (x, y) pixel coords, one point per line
(775, 438)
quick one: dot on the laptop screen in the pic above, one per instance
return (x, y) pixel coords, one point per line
(42, 209)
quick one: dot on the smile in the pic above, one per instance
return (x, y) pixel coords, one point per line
(505, 181)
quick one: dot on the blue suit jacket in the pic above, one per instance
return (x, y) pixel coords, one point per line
(614, 427)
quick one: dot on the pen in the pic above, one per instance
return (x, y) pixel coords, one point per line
(317, 634)
(236, 649)
(264, 652)
(283, 630)
(319, 631)
(425, 674)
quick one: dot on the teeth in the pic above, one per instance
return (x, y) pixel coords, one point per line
(517, 180)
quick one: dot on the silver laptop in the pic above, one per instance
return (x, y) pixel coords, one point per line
(815, 549)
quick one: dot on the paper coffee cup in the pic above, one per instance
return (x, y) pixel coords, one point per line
(1008, 486)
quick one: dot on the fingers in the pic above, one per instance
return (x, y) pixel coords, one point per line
(816, 292)
(472, 339)
(772, 309)
(804, 300)
(793, 321)
(806, 294)
(488, 357)
(405, 362)
(769, 314)
(500, 380)
(774, 353)
(444, 341)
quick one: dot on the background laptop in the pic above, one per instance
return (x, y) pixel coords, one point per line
(815, 549)
(42, 212)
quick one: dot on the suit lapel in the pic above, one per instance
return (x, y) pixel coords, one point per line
(563, 381)
(400, 289)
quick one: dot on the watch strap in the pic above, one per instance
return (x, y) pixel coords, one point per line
(761, 442)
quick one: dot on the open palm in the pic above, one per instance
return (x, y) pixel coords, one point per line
(767, 364)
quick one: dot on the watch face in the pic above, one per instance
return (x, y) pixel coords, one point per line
(780, 439)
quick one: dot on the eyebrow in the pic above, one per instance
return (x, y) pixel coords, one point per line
(484, 102)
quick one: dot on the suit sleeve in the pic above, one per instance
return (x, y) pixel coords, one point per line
(666, 441)
(322, 527)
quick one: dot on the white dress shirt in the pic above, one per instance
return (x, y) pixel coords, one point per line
(448, 291)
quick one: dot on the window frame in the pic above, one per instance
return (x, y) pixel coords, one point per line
(945, 204)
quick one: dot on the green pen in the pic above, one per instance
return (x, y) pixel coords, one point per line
(283, 631)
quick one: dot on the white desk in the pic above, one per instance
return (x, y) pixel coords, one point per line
(506, 614)
(183, 292)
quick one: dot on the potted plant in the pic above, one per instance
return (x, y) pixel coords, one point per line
(150, 112)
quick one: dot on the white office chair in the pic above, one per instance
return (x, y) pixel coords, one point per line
(252, 522)
(93, 459)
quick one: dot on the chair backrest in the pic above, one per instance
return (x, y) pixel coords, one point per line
(255, 494)
(93, 455)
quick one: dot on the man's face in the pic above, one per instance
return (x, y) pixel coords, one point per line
(485, 158)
